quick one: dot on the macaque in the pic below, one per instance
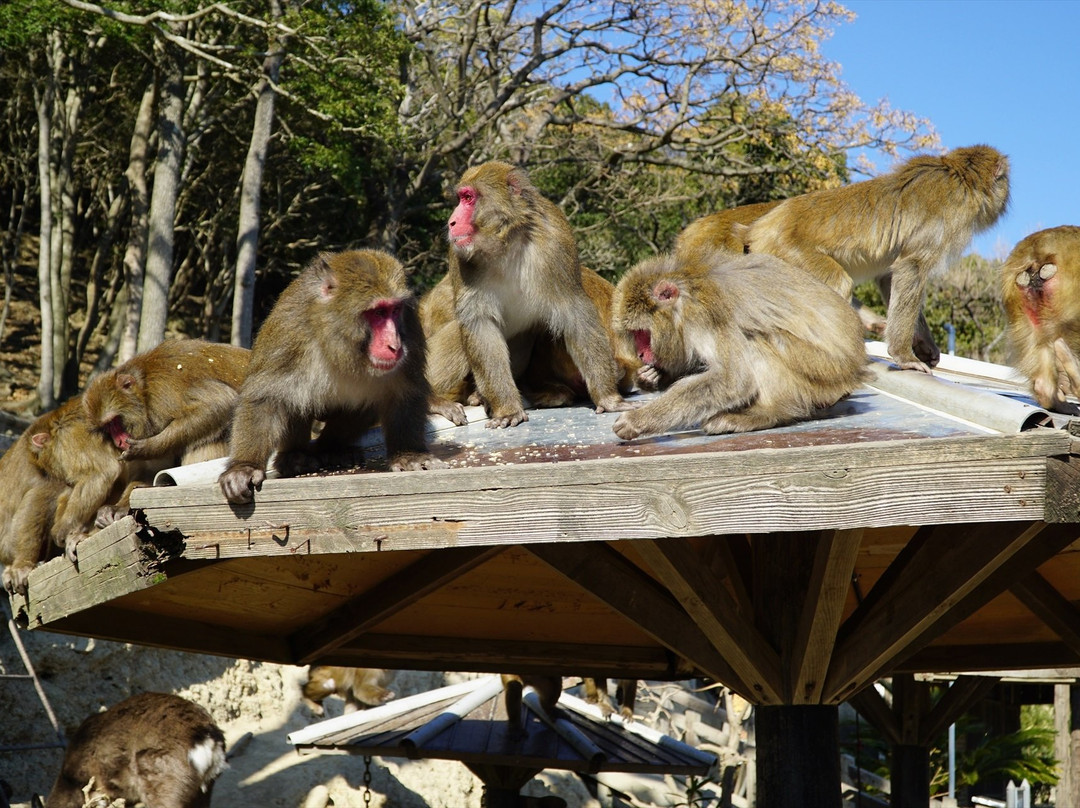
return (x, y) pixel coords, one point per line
(514, 268)
(716, 231)
(28, 504)
(154, 749)
(548, 688)
(358, 686)
(343, 345)
(752, 342)
(1040, 286)
(910, 223)
(625, 695)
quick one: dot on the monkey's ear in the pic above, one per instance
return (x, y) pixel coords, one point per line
(125, 381)
(513, 182)
(39, 439)
(665, 292)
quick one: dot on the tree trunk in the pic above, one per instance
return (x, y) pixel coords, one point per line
(247, 237)
(159, 259)
(135, 255)
(43, 101)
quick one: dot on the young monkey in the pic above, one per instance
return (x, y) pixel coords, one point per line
(343, 345)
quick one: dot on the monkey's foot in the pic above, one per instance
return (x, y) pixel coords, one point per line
(240, 482)
(71, 546)
(746, 421)
(452, 411)
(416, 461)
(107, 514)
(625, 427)
(616, 403)
(913, 364)
(16, 578)
(512, 419)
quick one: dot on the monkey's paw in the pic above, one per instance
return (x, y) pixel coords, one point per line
(625, 428)
(513, 419)
(107, 514)
(136, 449)
(616, 403)
(452, 411)
(649, 377)
(71, 545)
(912, 364)
(416, 461)
(16, 578)
(240, 482)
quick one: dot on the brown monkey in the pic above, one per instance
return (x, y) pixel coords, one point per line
(761, 344)
(548, 688)
(343, 344)
(910, 223)
(28, 504)
(358, 686)
(625, 695)
(716, 231)
(513, 268)
(1040, 286)
(154, 749)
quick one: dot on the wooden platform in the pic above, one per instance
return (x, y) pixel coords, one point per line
(796, 565)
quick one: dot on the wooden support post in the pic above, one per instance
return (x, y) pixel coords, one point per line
(798, 762)
(910, 776)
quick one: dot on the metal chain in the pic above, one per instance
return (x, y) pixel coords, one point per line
(367, 780)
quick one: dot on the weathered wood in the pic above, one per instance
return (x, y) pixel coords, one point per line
(910, 776)
(798, 756)
(953, 658)
(961, 696)
(873, 707)
(940, 573)
(830, 487)
(1062, 489)
(394, 594)
(1051, 607)
(822, 611)
(681, 570)
(612, 579)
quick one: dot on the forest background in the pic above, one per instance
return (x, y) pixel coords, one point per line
(166, 168)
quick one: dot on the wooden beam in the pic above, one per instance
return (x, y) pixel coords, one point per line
(960, 697)
(729, 558)
(611, 578)
(1062, 489)
(949, 564)
(509, 656)
(956, 658)
(385, 599)
(717, 614)
(822, 611)
(873, 707)
(1050, 606)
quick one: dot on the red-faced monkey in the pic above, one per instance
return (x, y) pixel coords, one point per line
(753, 343)
(343, 345)
(514, 268)
(360, 687)
(1040, 285)
(911, 223)
(154, 749)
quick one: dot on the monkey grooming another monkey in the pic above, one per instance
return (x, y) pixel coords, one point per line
(548, 688)
(358, 686)
(753, 343)
(1040, 286)
(155, 749)
(912, 222)
(514, 268)
(343, 345)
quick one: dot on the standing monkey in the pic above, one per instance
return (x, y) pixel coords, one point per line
(1040, 285)
(753, 343)
(912, 222)
(343, 345)
(717, 231)
(513, 268)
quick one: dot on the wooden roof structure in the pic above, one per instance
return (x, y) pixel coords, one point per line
(467, 722)
(920, 525)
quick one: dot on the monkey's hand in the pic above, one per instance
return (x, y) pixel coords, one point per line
(625, 426)
(1068, 368)
(107, 514)
(71, 545)
(616, 403)
(649, 377)
(452, 411)
(910, 362)
(16, 578)
(500, 420)
(416, 461)
(240, 481)
(137, 448)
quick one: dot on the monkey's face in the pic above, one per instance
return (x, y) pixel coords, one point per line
(648, 307)
(116, 405)
(385, 347)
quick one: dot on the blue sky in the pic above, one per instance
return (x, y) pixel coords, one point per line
(1000, 72)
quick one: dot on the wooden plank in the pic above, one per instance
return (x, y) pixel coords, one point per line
(822, 611)
(961, 696)
(1062, 489)
(1050, 607)
(873, 707)
(952, 658)
(716, 613)
(510, 656)
(946, 480)
(608, 576)
(388, 598)
(946, 567)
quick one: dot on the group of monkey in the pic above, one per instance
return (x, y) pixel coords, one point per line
(747, 324)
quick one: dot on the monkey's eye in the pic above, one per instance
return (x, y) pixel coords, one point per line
(467, 196)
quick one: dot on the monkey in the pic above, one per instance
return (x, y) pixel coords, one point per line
(343, 345)
(548, 688)
(625, 694)
(358, 686)
(716, 231)
(154, 749)
(752, 342)
(514, 267)
(28, 506)
(1040, 288)
(910, 223)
